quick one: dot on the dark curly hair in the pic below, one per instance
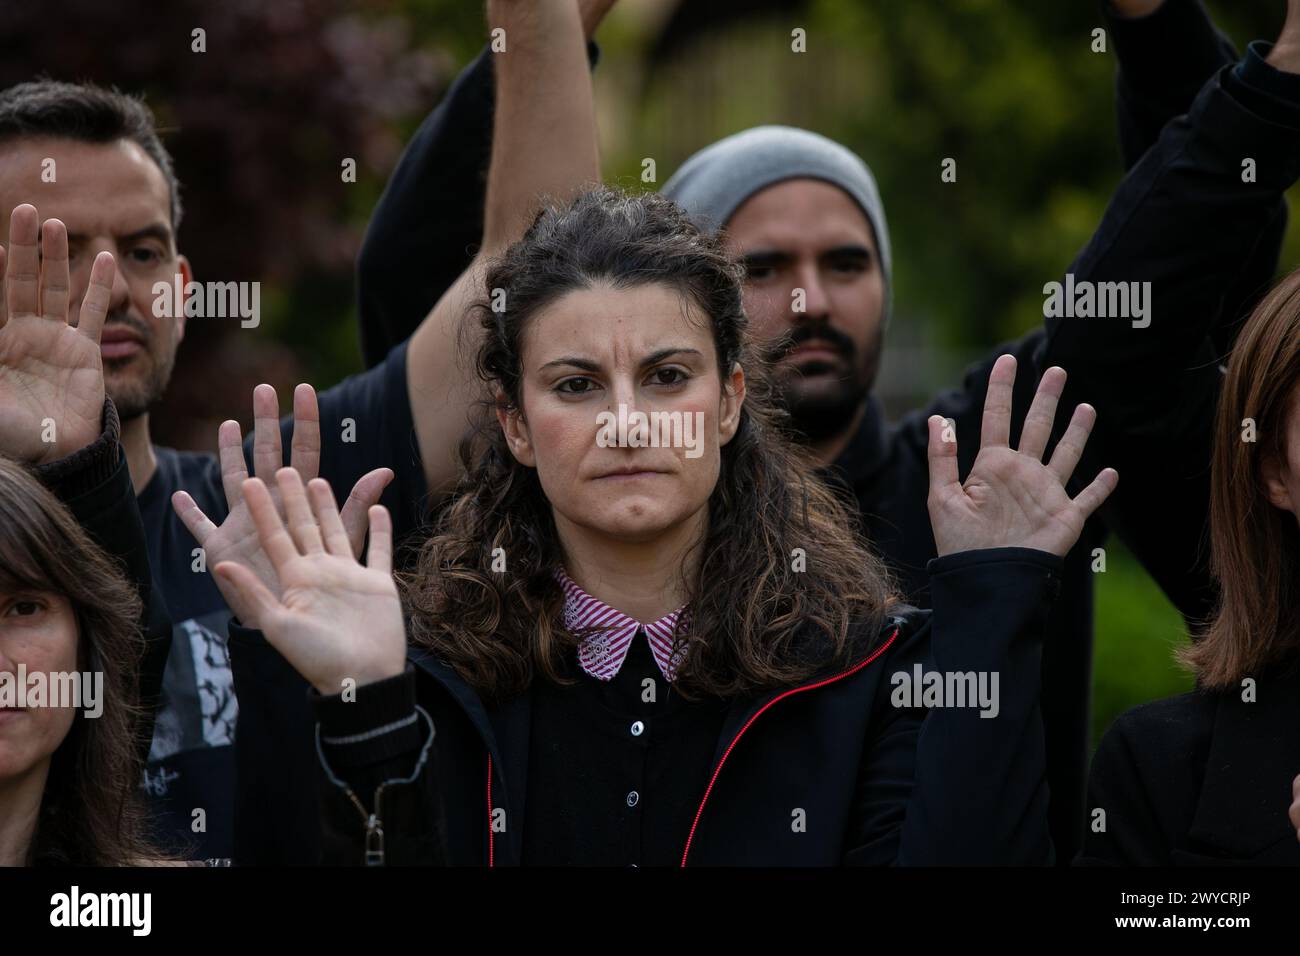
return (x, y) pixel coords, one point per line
(756, 621)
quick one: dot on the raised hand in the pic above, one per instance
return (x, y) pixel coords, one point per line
(1010, 498)
(236, 539)
(335, 619)
(51, 373)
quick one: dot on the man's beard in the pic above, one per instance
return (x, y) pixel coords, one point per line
(824, 413)
(135, 395)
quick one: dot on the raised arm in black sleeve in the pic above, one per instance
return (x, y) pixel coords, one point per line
(1188, 221)
(428, 223)
(954, 785)
(1164, 61)
(95, 485)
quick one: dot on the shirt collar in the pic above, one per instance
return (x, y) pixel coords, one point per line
(603, 651)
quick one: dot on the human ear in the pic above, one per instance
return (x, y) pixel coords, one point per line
(515, 428)
(730, 405)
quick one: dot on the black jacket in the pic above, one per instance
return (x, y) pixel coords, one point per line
(879, 783)
(1203, 779)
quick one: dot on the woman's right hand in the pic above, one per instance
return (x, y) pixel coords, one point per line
(335, 619)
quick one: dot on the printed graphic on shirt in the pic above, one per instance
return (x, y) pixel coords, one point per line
(198, 705)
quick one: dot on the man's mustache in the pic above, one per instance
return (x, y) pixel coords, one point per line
(814, 331)
(126, 320)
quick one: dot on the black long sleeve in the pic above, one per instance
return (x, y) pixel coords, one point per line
(276, 809)
(95, 485)
(380, 798)
(374, 737)
(1164, 61)
(428, 223)
(954, 785)
(429, 220)
(1188, 222)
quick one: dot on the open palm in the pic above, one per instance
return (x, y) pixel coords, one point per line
(236, 538)
(51, 373)
(335, 619)
(1010, 498)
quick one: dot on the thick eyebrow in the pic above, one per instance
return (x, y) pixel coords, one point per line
(855, 252)
(765, 259)
(587, 365)
(160, 231)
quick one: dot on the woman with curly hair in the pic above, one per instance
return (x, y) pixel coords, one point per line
(642, 631)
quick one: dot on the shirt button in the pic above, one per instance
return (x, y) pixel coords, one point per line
(638, 728)
(632, 798)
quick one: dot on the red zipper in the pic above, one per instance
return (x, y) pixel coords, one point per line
(717, 770)
(822, 683)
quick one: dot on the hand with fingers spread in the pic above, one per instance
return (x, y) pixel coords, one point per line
(236, 538)
(334, 618)
(50, 371)
(1010, 498)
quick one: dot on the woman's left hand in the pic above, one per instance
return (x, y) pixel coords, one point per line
(1011, 499)
(335, 619)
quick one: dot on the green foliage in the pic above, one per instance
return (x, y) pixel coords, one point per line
(1137, 632)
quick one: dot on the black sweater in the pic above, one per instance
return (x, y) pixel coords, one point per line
(95, 486)
(1203, 779)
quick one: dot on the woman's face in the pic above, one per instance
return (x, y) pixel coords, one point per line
(38, 631)
(595, 365)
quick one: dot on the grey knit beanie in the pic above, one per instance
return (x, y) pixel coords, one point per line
(713, 183)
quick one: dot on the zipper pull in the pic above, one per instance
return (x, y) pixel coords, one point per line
(374, 841)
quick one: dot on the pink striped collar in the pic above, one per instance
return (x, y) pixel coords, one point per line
(603, 652)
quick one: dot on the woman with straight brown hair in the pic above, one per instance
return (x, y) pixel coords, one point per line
(69, 776)
(1207, 777)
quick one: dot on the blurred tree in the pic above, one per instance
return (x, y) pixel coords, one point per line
(259, 125)
(1010, 89)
